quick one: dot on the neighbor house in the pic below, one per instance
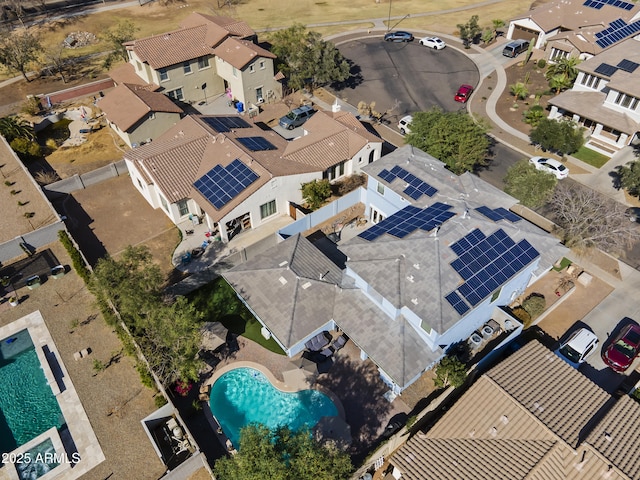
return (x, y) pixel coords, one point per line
(137, 114)
(605, 98)
(530, 417)
(206, 57)
(580, 28)
(237, 175)
(442, 256)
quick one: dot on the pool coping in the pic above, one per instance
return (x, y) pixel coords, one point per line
(75, 417)
(282, 386)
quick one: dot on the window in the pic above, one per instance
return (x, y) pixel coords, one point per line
(590, 81)
(140, 183)
(252, 68)
(335, 171)
(261, 64)
(557, 54)
(626, 101)
(164, 203)
(186, 66)
(203, 62)
(176, 94)
(183, 208)
(372, 154)
(164, 75)
(235, 72)
(380, 188)
(138, 65)
(267, 209)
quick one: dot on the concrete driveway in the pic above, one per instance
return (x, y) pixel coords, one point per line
(403, 78)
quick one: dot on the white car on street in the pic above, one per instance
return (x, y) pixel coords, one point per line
(403, 124)
(433, 42)
(550, 165)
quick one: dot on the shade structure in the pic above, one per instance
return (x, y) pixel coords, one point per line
(306, 364)
(333, 429)
(214, 335)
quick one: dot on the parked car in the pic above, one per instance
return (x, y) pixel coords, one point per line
(463, 93)
(296, 117)
(550, 165)
(404, 124)
(398, 36)
(433, 42)
(623, 349)
(515, 48)
(580, 345)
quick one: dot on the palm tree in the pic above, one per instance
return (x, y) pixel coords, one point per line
(567, 66)
(14, 127)
(519, 90)
(560, 82)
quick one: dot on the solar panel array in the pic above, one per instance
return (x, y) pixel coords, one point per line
(628, 65)
(256, 144)
(410, 219)
(498, 214)
(606, 69)
(598, 4)
(486, 263)
(415, 186)
(221, 184)
(616, 31)
(225, 124)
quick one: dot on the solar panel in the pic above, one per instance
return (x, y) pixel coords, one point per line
(457, 303)
(416, 187)
(598, 4)
(618, 30)
(606, 69)
(387, 176)
(221, 184)
(225, 124)
(507, 215)
(256, 144)
(489, 213)
(410, 219)
(628, 65)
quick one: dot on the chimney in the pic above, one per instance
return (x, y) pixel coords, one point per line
(335, 108)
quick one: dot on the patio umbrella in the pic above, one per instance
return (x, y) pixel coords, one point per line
(333, 428)
(306, 364)
(214, 335)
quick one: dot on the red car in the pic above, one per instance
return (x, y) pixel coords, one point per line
(463, 93)
(623, 350)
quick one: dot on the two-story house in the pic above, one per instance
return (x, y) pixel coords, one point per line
(236, 175)
(605, 98)
(443, 255)
(207, 56)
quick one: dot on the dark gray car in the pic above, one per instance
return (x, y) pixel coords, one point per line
(296, 117)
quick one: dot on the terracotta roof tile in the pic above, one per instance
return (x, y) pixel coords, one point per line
(125, 73)
(126, 104)
(234, 27)
(240, 53)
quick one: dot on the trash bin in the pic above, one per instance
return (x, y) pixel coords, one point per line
(240, 107)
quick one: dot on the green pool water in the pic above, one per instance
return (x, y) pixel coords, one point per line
(27, 404)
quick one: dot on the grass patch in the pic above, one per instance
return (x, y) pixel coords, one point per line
(591, 157)
(219, 303)
(564, 263)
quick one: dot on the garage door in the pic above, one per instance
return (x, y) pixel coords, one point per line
(521, 33)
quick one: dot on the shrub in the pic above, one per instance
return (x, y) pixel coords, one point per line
(160, 401)
(45, 178)
(534, 115)
(522, 315)
(76, 258)
(542, 63)
(145, 376)
(316, 192)
(450, 371)
(534, 304)
(351, 183)
(26, 149)
(32, 106)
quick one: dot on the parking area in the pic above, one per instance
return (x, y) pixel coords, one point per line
(402, 78)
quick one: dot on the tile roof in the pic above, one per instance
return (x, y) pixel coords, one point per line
(126, 73)
(573, 15)
(236, 28)
(329, 140)
(495, 430)
(127, 104)
(291, 288)
(239, 53)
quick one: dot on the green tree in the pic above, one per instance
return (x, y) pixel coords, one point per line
(558, 83)
(124, 31)
(18, 49)
(534, 115)
(316, 192)
(450, 371)
(469, 31)
(566, 66)
(630, 177)
(283, 455)
(307, 59)
(15, 127)
(519, 90)
(452, 137)
(26, 149)
(562, 137)
(534, 304)
(531, 186)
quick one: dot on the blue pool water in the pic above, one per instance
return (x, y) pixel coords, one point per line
(37, 461)
(244, 395)
(27, 404)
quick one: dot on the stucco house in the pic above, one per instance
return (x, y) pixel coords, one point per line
(580, 28)
(531, 416)
(236, 175)
(443, 255)
(605, 98)
(137, 114)
(207, 56)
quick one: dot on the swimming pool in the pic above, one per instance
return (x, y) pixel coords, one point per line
(27, 404)
(245, 395)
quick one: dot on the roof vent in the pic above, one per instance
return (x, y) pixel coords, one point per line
(414, 301)
(282, 264)
(283, 280)
(607, 436)
(410, 278)
(504, 419)
(472, 433)
(416, 266)
(306, 285)
(493, 431)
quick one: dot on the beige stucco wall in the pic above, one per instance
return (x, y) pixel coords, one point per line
(151, 128)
